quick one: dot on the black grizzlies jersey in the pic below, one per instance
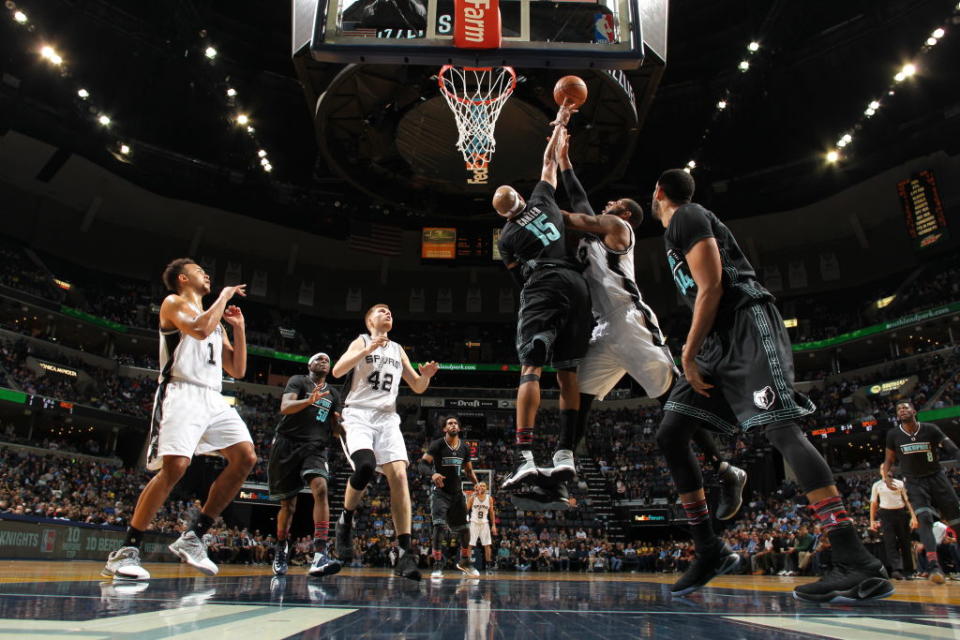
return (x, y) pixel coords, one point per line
(536, 235)
(692, 223)
(314, 422)
(918, 454)
(448, 461)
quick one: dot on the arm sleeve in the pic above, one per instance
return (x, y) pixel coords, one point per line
(543, 191)
(575, 193)
(936, 435)
(689, 226)
(950, 448)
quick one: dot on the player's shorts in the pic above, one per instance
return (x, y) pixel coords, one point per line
(480, 532)
(621, 343)
(376, 430)
(748, 359)
(934, 494)
(293, 464)
(553, 323)
(190, 419)
(448, 509)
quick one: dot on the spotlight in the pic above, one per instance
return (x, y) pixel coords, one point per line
(231, 93)
(264, 162)
(243, 119)
(50, 54)
(869, 112)
(692, 164)
(722, 105)
(908, 70)
(833, 156)
(753, 47)
(938, 33)
(931, 42)
(20, 17)
(847, 138)
(210, 52)
(268, 167)
(262, 153)
(250, 130)
(83, 93)
(874, 105)
(687, 169)
(125, 149)
(744, 66)
(104, 120)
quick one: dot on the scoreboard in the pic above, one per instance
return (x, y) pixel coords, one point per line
(459, 245)
(923, 209)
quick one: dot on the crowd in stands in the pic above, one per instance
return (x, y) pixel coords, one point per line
(135, 303)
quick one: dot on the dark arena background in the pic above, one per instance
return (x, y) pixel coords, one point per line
(308, 149)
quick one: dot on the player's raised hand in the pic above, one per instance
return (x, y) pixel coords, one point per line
(234, 290)
(429, 369)
(233, 316)
(563, 115)
(316, 394)
(563, 151)
(376, 343)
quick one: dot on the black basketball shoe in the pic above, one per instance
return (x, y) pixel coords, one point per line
(407, 567)
(732, 482)
(708, 564)
(848, 582)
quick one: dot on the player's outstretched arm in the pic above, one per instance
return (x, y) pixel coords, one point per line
(549, 172)
(354, 353)
(419, 382)
(571, 184)
(177, 312)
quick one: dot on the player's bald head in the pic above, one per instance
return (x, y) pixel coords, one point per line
(507, 201)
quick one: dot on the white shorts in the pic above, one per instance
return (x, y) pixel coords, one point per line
(376, 430)
(621, 344)
(191, 420)
(479, 531)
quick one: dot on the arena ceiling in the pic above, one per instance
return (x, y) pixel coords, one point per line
(819, 64)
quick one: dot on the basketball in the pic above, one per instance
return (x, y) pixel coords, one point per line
(570, 91)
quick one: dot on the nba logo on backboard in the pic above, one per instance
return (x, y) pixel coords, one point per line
(48, 541)
(603, 28)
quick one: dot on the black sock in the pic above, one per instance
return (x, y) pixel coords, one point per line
(701, 527)
(319, 545)
(568, 429)
(202, 524)
(403, 540)
(583, 414)
(847, 546)
(347, 515)
(134, 538)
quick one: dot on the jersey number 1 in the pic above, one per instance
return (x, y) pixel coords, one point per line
(378, 384)
(211, 360)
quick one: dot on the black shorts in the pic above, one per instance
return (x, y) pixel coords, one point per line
(448, 509)
(748, 359)
(554, 321)
(293, 464)
(934, 494)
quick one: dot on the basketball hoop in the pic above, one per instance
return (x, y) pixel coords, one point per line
(476, 95)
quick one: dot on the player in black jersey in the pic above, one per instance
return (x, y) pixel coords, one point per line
(445, 460)
(553, 322)
(311, 414)
(738, 374)
(916, 446)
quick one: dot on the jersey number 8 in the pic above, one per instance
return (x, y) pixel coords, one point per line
(378, 384)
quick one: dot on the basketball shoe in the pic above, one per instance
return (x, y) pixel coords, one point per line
(124, 564)
(192, 551)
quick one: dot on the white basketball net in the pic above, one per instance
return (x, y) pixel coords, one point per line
(476, 95)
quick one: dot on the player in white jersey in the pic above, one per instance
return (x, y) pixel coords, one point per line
(482, 521)
(190, 416)
(373, 441)
(626, 338)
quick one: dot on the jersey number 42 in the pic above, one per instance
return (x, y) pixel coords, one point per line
(380, 383)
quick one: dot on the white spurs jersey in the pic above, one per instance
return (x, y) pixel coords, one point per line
(374, 381)
(480, 511)
(183, 357)
(613, 285)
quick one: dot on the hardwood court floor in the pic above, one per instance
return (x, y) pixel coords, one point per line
(70, 600)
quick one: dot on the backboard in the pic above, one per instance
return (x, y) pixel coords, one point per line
(606, 34)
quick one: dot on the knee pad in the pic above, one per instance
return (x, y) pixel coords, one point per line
(364, 466)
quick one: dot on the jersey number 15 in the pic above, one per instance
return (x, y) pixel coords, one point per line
(545, 230)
